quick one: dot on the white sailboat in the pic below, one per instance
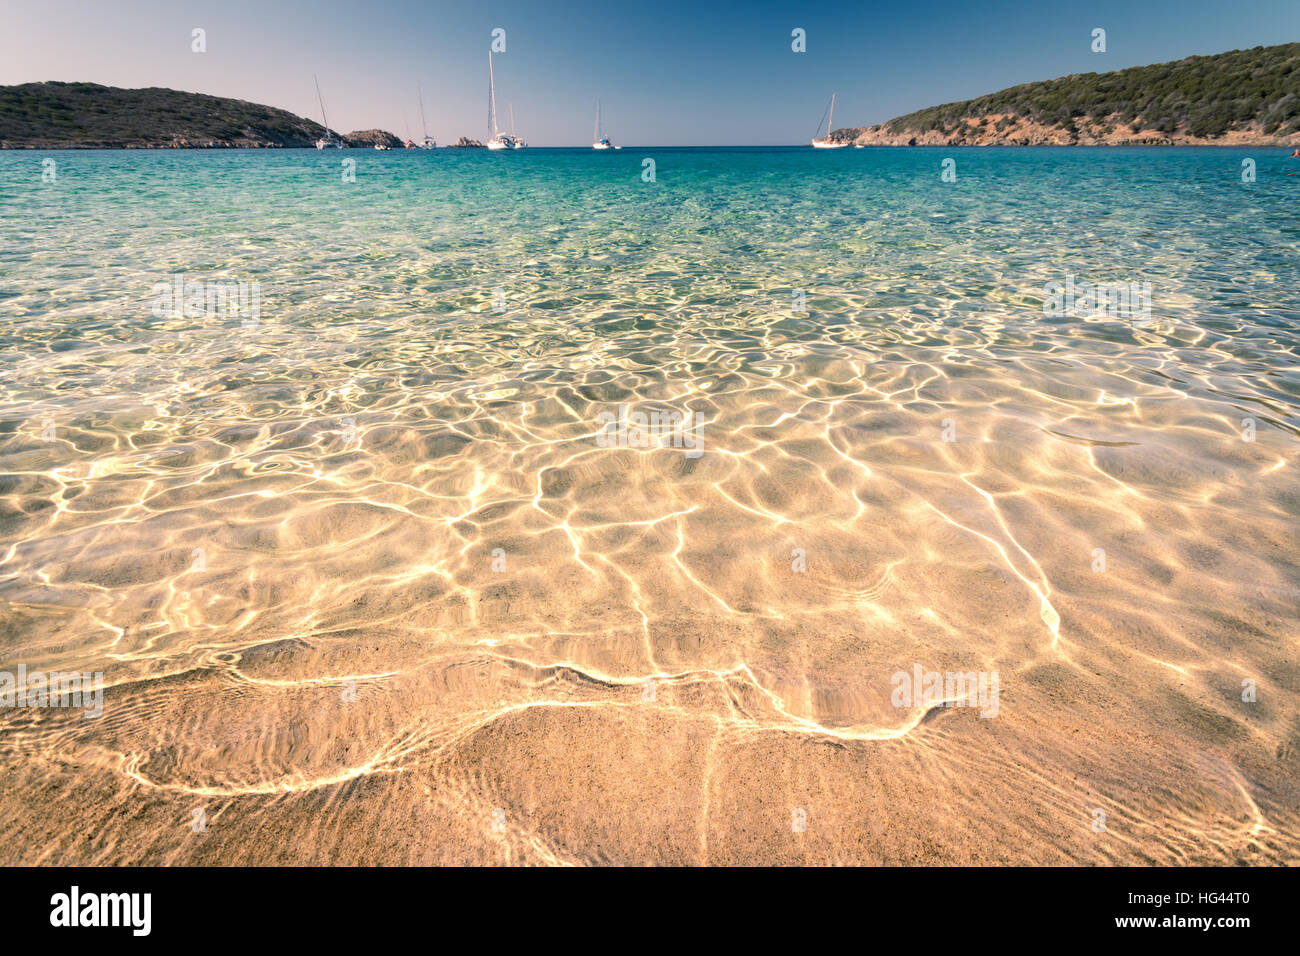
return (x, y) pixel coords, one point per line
(599, 140)
(498, 140)
(427, 142)
(826, 142)
(519, 143)
(329, 140)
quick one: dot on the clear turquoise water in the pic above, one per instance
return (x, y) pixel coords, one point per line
(349, 466)
(585, 250)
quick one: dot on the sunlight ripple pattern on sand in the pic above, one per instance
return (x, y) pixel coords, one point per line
(365, 587)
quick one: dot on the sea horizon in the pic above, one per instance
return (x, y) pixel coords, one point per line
(586, 148)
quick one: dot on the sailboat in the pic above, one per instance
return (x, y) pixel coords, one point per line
(827, 143)
(519, 143)
(499, 140)
(329, 140)
(427, 142)
(599, 140)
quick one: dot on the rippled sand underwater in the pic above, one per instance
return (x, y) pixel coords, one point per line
(367, 584)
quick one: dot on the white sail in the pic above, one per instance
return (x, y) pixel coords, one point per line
(492, 100)
(321, 100)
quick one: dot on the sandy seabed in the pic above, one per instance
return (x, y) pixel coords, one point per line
(464, 632)
(366, 585)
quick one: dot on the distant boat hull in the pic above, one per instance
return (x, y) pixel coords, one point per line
(827, 144)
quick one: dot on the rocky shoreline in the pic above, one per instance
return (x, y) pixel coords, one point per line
(996, 129)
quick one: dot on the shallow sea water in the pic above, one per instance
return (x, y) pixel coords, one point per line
(365, 585)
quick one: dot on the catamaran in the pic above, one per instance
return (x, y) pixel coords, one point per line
(499, 139)
(427, 142)
(827, 142)
(329, 140)
(598, 139)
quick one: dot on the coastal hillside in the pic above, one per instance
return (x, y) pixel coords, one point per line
(1243, 97)
(89, 116)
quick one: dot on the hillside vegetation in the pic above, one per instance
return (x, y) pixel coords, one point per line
(1240, 96)
(62, 115)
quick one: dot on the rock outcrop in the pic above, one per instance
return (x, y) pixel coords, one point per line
(1109, 131)
(368, 138)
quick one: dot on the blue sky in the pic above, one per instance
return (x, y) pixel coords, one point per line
(668, 72)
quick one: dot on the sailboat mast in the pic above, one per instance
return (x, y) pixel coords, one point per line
(512, 119)
(320, 99)
(492, 98)
(595, 136)
(424, 126)
(830, 121)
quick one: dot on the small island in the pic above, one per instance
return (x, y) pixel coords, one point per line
(370, 138)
